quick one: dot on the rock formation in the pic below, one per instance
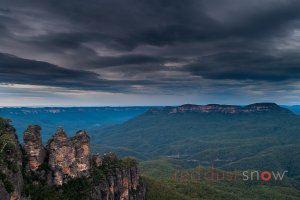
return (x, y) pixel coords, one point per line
(34, 147)
(64, 169)
(66, 159)
(69, 157)
(122, 182)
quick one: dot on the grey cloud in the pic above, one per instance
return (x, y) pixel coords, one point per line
(247, 66)
(219, 40)
(15, 70)
(133, 23)
(126, 25)
(129, 60)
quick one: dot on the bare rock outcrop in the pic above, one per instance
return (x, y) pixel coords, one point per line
(34, 147)
(68, 157)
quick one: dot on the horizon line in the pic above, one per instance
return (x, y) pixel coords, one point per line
(124, 106)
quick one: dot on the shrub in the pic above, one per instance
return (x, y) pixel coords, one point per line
(12, 166)
(98, 175)
(2, 176)
(129, 162)
(8, 186)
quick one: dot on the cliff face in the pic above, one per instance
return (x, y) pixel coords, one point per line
(122, 181)
(217, 108)
(66, 161)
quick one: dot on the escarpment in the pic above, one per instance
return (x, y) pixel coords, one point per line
(217, 108)
(64, 169)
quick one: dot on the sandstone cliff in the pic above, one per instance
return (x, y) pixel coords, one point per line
(217, 108)
(122, 181)
(63, 169)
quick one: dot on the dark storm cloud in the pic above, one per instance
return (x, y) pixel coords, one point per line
(128, 24)
(24, 71)
(167, 41)
(247, 66)
(15, 70)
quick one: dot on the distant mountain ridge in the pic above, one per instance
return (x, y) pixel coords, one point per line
(71, 118)
(37, 110)
(252, 108)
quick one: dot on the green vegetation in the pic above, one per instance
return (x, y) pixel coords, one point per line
(8, 164)
(129, 162)
(76, 189)
(161, 185)
(8, 186)
(6, 136)
(109, 164)
(233, 141)
(160, 169)
(157, 190)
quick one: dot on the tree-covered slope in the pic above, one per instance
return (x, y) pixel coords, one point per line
(161, 185)
(240, 137)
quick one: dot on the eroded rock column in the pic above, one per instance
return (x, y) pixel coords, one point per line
(34, 147)
(69, 157)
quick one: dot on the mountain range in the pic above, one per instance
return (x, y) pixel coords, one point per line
(71, 118)
(257, 136)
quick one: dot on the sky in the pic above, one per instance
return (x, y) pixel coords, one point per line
(158, 52)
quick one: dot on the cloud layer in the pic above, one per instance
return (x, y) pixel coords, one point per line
(159, 47)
